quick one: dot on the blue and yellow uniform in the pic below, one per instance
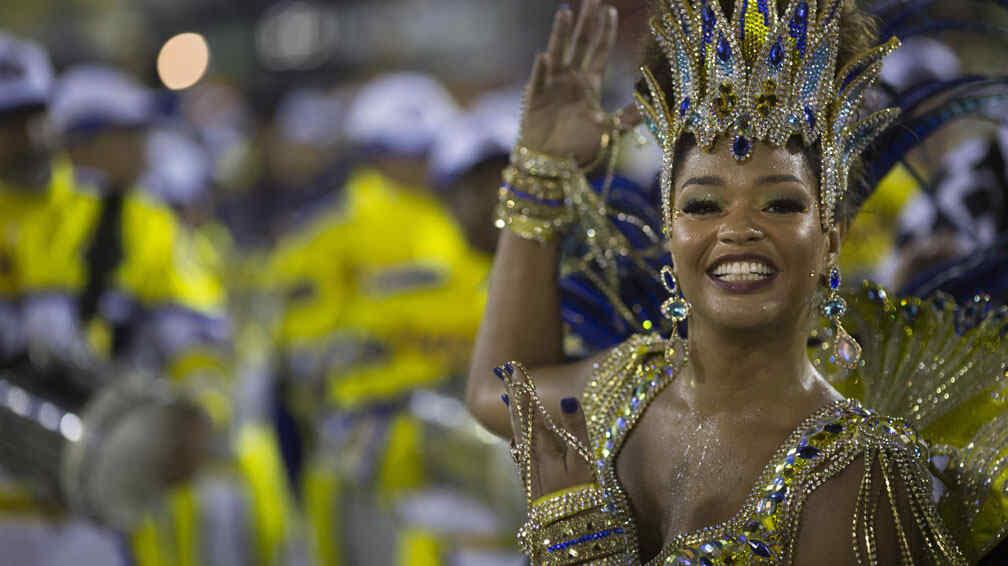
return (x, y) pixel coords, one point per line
(383, 297)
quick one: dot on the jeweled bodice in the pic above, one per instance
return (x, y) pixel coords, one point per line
(766, 528)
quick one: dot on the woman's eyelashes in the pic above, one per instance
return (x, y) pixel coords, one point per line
(782, 205)
(701, 206)
(785, 205)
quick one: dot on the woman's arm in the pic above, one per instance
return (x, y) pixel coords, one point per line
(522, 322)
(562, 118)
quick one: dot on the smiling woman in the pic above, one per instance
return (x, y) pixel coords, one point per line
(721, 441)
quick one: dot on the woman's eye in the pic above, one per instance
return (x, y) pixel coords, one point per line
(785, 206)
(700, 207)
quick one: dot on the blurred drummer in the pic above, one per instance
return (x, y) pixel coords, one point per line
(36, 191)
(382, 297)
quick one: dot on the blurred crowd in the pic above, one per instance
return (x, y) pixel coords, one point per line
(312, 275)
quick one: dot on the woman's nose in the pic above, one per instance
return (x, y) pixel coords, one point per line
(738, 228)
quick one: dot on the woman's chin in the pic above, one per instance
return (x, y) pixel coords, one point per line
(745, 312)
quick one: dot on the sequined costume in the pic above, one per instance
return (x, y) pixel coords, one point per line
(765, 530)
(925, 406)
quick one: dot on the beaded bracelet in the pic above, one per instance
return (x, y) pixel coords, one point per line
(540, 164)
(530, 187)
(533, 201)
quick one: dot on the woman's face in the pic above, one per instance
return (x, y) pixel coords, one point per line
(747, 244)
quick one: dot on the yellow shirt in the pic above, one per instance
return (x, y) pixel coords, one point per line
(390, 266)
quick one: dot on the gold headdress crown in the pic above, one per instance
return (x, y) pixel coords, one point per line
(764, 76)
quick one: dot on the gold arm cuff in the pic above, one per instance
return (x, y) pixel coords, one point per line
(571, 526)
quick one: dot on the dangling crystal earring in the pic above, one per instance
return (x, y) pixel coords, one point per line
(675, 308)
(846, 350)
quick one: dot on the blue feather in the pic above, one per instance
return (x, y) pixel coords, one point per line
(908, 134)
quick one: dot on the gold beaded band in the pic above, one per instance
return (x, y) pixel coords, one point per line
(565, 503)
(534, 196)
(543, 165)
(571, 527)
(530, 187)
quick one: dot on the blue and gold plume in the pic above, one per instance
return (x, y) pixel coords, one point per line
(762, 75)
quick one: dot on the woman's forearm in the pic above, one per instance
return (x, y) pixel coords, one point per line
(522, 322)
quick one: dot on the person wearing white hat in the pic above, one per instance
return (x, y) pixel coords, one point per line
(25, 81)
(387, 313)
(102, 116)
(25, 167)
(465, 164)
(36, 191)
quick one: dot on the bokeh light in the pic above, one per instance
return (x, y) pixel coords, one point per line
(183, 60)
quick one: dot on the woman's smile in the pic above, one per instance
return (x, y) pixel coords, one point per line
(742, 273)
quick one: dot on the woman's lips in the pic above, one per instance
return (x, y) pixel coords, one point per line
(742, 286)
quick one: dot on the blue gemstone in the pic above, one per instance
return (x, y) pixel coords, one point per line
(741, 147)
(759, 548)
(621, 423)
(508, 367)
(810, 118)
(684, 106)
(634, 403)
(499, 372)
(710, 547)
(708, 14)
(789, 460)
(778, 495)
(833, 428)
(505, 398)
(808, 452)
(834, 278)
(668, 278)
(678, 310)
(834, 308)
(723, 49)
(752, 526)
(704, 561)
(801, 12)
(777, 53)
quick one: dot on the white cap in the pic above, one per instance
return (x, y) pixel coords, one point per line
(919, 60)
(310, 116)
(399, 113)
(178, 167)
(90, 97)
(489, 129)
(26, 74)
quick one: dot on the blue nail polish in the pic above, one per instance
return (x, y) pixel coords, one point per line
(499, 373)
(504, 398)
(569, 405)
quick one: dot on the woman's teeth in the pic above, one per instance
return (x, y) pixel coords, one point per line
(742, 271)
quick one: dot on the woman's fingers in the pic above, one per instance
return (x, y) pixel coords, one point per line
(596, 34)
(537, 81)
(607, 38)
(559, 37)
(581, 42)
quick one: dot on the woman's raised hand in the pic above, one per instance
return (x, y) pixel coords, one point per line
(563, 113)
(551, 445)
